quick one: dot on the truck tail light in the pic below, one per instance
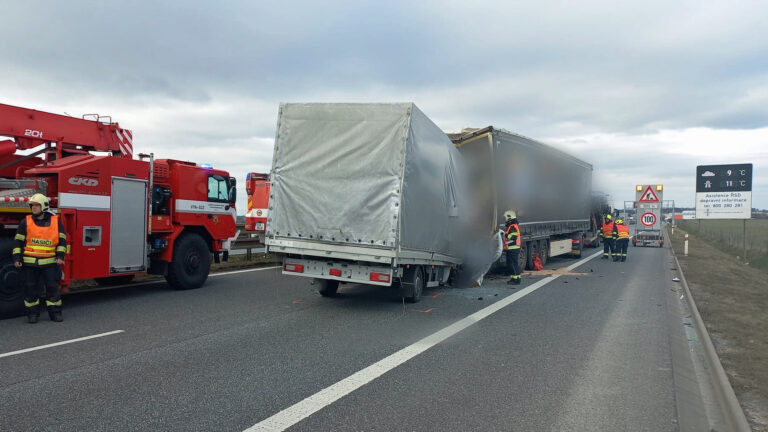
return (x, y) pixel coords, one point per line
(335, 272)
(295, 268)
(575, 241)
(379, 277)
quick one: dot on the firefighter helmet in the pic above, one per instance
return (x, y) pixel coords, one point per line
(510, 214)
(41, 199)
(620, 221)
(608, 216)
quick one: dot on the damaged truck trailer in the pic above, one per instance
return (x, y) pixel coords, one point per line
(365, 193)
(550, 191)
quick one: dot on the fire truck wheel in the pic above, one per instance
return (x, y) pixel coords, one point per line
(191, 263)
(11, 291)
(413, 284)
(327, 288)
(114, 280)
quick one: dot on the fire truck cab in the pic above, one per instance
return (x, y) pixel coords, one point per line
(257, 187)
(123, 216)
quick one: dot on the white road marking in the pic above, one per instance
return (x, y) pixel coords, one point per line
(305, 408)
(8, 354)
(244, 271)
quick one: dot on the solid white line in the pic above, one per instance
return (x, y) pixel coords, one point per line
(305, 408)
(8, 354)
(244, 271)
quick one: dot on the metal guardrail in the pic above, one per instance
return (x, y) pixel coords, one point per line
(734, 415)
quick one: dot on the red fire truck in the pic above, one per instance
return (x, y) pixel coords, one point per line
(123, 216)
(257, 187)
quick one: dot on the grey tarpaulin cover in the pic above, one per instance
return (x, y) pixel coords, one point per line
(380, 175)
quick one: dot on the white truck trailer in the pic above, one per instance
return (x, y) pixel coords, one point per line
(365, 193)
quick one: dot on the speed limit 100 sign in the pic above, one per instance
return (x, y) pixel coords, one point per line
(648, 219)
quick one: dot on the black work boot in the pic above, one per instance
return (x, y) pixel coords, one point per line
(54, 313)
(33, 315)
(33, 312)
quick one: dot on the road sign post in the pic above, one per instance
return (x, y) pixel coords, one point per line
(648, 203)
(725, 192)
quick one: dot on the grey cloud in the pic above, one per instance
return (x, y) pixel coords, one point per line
(189, 75)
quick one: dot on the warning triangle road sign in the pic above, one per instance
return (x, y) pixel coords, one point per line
(649, 196)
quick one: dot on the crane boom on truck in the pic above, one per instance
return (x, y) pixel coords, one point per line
(123, 216)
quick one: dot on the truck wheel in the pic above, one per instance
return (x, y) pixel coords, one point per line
(114, 280)
(522, 258)
(326, 287)
(533, 249)
(11, 288)
(191, 262)
(413, 284)
(544, 251)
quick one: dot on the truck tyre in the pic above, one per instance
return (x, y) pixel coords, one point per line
(413, 284)
(114, 280)
(544, 251)
(522, 258)
(326, 287)
(191, 262)
(533, 249)
(11, 289)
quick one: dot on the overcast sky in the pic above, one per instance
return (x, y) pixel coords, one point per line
(644, 91)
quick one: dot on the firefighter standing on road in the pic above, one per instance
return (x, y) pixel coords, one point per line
(621, 234)
(41, 244)
(512, 240)
(607, 234)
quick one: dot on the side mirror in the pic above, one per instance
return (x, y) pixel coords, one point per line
(232, 190)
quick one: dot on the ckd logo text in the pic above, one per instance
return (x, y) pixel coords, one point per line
(83, 181)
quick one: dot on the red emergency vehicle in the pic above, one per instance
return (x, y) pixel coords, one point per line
(257, 187)
(123, 216)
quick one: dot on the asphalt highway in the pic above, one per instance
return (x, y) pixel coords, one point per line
(592, 350)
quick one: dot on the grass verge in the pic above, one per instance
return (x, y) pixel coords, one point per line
(732, 299)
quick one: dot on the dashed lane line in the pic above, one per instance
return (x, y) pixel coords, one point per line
(26, 350)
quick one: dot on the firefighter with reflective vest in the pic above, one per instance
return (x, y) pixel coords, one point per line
(40, 247)
(606, 232)
(512, 241)
(621, 236)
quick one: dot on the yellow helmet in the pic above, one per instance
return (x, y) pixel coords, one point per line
(510, 214)
(619, 221)
(41, 199)
(608, 216)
